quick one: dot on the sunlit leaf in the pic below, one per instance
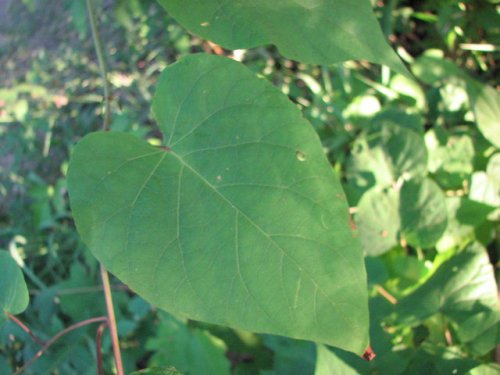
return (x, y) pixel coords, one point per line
(485, 369)
(485, 186)
(484, 100)
(237, 220)
(485, 103)
(451, 158)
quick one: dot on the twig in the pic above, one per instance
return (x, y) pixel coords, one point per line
(98, 347)
(26, 329)
(57, 337)
(112, 320)
(384, 293)
(102, 66)
(107, 121)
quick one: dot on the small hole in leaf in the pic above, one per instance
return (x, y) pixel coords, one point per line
(300, 156)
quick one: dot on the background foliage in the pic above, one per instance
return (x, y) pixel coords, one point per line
(418, 159)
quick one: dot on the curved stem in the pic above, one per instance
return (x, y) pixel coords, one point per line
(26, 329)
(102, 65)
(112, 320)
(98, 347)
(57, 337)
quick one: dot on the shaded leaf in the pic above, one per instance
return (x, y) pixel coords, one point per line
(157, 371)
(238, 220)
(464, 216)
(423, 213)
(291, 356)
(191, 350)
(415, 213)
(384, 155)
(463, 289)
(14, 296)
(432, 359)
(327, 363)
(311, 31)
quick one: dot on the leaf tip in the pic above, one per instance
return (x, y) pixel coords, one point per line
(369, 354)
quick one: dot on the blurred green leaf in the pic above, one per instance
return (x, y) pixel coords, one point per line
(464, 216)
(396, 117)
(191, 350)
(415, 213)
(409, 90)
(485, 102)
(451, 158)
(485, 369)
(384, 156)
(78, 12)
(291, 356)
(158, 371)
(485, 186)
(432, 359)
(464, 290)
(14, 296)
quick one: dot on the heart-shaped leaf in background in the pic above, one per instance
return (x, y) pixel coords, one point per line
(464, 290)
(415, 213)
(14, 296)
(237, 220)
(196, 352)
(311, 31)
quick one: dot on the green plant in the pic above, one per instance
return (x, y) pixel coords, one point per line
(221, 194)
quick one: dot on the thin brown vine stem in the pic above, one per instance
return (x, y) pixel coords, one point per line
(49, 343)
(102, 65)
(106, 123)
(98, 347)
(384, 293)
(26, 329)
(112, 320)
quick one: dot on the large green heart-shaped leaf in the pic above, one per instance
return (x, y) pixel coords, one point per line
(311, 31)
(14, 296)
(238, 220)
